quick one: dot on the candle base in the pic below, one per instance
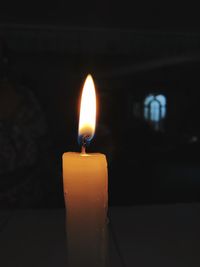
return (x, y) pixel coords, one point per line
(88, 249)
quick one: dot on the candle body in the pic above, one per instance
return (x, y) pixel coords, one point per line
(85, 181)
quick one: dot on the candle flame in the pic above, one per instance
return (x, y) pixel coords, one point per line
(87, 119)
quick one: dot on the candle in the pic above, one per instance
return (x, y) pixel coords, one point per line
(85, 182)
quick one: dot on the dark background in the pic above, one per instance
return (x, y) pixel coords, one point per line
(132, 50)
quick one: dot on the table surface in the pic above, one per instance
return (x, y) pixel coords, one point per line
(162, 235)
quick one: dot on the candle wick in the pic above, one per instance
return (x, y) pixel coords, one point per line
(83, 150)
(84, 143)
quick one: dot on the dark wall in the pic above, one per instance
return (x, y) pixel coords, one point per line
(145, 166)
(172, 15)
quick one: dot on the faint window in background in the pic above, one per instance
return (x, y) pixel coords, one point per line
(155, 110)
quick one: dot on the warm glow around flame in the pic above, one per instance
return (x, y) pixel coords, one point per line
(87, 119)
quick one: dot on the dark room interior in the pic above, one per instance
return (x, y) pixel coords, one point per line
(145, 60)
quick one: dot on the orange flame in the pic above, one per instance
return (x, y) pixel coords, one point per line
(87, 119)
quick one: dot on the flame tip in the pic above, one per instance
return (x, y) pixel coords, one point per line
(89, 76)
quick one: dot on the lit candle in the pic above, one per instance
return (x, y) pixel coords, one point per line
(85, 181)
